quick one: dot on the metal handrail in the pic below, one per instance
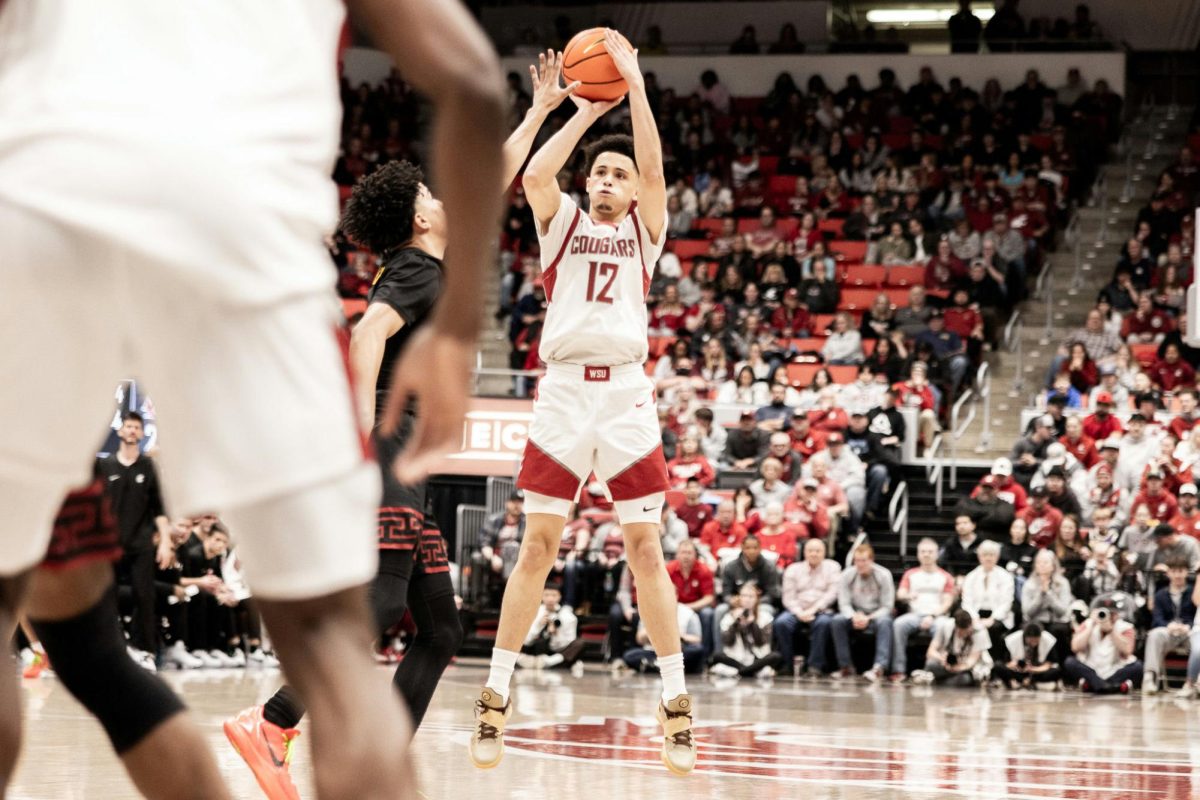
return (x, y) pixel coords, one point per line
(1016, 345)
(933, 469)
(957, 430)
(861, 538)
(1009, 328)
(898, 516)
(983, 387)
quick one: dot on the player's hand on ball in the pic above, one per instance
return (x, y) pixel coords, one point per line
(434, 370)
(548, 91)
(596, 108)
(624, 57)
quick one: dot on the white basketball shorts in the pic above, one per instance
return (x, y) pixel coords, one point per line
(594, 419)
(253, 400)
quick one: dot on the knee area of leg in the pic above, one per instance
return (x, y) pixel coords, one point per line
(89, 658)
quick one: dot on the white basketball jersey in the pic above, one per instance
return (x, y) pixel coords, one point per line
(123, 117)
(596, 276)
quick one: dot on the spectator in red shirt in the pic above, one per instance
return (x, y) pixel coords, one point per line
(916, 393)
(1161, 503)
(693, 582)
(828, 417)
(964, 319)
(690, 463)
(1171, 372)
(1007, 489)
(791, 320)
(944, 270)
(777, 535)
(724, 531)
(805, 440)
(1181, 426)
(1078, 444)
(669, 313)
(1041, 518)
(1080, 368)
(694, 512)
(1187, 519)
(762, 240)
(1102, 424)
(1146, 324)
(806, 512)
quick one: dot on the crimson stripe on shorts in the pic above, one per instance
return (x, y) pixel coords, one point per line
(544, 474)
(549, 274)
(647, 475)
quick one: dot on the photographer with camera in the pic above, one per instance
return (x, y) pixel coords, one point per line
(1031, 660)
(552, 640)
(746, 637)
(1103, 646)
(958, 654)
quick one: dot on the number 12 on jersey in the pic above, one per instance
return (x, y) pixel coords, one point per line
(607, 274)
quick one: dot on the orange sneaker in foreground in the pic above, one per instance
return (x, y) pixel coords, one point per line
(679, 745)
(36, 667)
(267, 750)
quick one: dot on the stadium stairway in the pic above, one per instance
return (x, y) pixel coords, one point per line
(1075, 273)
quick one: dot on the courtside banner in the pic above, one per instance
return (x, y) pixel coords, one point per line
(493, 439)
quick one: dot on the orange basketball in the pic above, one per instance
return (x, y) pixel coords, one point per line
(586, 60)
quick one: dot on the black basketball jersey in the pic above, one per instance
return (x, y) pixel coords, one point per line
(409, 282)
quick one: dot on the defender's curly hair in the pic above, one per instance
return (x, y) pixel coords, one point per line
(618, 143)
(379, 213)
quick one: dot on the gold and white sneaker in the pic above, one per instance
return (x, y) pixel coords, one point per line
(679, 745)
(487, 741)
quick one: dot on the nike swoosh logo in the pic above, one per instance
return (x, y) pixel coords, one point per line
(648, 508)
(271, 753)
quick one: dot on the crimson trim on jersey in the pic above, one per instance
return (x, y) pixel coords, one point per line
(544, 474)
(637, 233)
(550, 273)
(646, 476)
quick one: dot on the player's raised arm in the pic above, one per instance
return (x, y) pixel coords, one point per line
(647, 147)
(541, 176)
(444, 54)
(548, 94)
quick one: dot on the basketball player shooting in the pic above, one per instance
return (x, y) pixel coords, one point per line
(595, 410)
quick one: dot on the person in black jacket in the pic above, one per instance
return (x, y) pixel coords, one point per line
(991, 515)
(958, 556)
(881, 462)
(1174, 613)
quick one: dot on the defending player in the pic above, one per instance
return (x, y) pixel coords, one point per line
(392, 213)
(595, 408)
(181, 224)
(73, 609)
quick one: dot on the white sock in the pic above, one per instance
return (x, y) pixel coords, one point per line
(500, 676)
(671, 669)
(553, 660)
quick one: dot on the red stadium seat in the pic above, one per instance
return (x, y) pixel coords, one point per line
(782, 185)
(1194, 142)
(747, 224)
(862, 275)
(713, 268)
(868, 346)
(352, 306)
(801, 375)
(831, 228)
(788, 227)
(768, 165)
(1041, 141)
(901, 125)
(675, 498)
(895, 141)
(843, 374)
(746, 105)
(905, 276)
(821, 323)
(933, 141)
(849, 251)
(813, 344)
(660, 345)
(710, 225)
(1146, 354)
(897, 297)
(857, 299)
(855, 141)
(689, 248)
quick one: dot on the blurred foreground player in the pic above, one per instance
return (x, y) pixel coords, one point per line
(72, 607)
(393, 213)
(167, 170)
(595, 409)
